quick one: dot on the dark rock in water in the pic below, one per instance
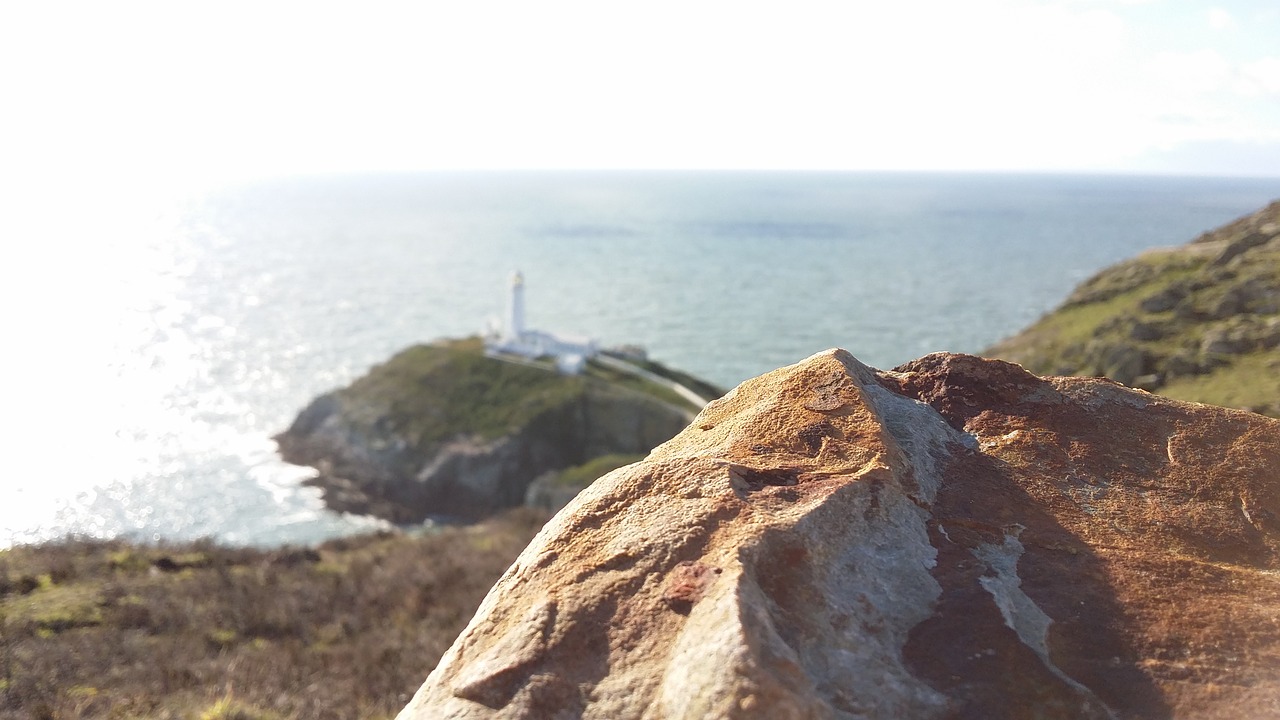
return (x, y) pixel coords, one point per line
(956, 538)
(443, 430)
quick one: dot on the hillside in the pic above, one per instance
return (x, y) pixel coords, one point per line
(1197, 322)
(195, 631)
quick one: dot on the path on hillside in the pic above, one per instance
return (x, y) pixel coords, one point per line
(681, 390)
(617, 364)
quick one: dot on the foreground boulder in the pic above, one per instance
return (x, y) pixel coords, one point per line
(954, 539)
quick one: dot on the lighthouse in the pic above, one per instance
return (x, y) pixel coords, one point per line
(514, 327)
(513, 339)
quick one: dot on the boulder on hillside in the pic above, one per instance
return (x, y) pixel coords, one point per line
(444, 430)
(956, 538)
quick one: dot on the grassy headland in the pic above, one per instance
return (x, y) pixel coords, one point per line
(445, 429)
(465, 392)
(469, 393)
(1198, 322)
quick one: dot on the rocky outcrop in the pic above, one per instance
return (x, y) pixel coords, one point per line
(1196, 322)
(443, 430)
(956, 538)
(551, 491)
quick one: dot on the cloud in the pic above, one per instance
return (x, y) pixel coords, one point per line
(1213, 157)
(1220, 19)
(170, 89)
(1261, 77)
(1192, 73)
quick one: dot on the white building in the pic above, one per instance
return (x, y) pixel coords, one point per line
(513, 338)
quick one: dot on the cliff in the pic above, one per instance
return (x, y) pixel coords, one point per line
(442, 429)
(1197, 322)
(956, 538)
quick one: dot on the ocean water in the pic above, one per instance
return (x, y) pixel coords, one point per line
(151, 355)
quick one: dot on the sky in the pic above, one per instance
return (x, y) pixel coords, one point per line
(171, 93)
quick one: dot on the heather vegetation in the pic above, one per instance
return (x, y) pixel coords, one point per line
(93, 629)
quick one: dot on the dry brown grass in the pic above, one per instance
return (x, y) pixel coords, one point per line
(115, 630)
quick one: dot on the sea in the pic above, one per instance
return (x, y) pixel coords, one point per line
(153, 351)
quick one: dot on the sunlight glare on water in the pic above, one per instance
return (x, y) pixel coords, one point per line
(156, 343)
(121, 391)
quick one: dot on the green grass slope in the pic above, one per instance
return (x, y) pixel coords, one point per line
(431, 393)
(1198, 322)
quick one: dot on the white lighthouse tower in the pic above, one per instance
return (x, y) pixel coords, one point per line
(514, 327)
(514, 339)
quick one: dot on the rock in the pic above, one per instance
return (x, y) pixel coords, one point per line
(545, 493)
(1269, 337)
(1147, 331)
(1183, 364)
(1238, 247)
(1242, 335)
(1228, 305)
(1165, 300)
(1224, 341)
(1150, 382)
(551, 491)
(1108, 284)
(1258, 295)
(954, 539)
(442, 430)
(1119, 361)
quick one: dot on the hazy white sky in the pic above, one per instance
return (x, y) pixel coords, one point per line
(175, 92)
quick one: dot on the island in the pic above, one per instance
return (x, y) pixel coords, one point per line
(460, 429)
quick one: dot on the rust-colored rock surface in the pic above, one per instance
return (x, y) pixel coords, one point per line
(953, 539)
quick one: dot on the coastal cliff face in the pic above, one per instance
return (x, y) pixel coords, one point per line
(1197, 322)
(443, 430)
(956, 538)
